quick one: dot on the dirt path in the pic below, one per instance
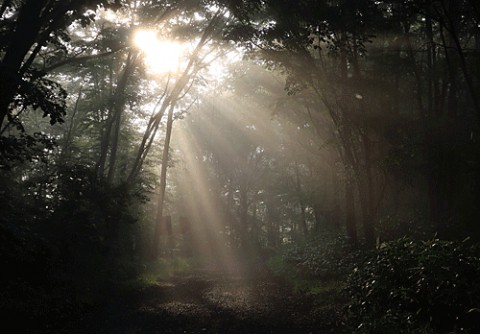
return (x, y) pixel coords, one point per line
(209, 302)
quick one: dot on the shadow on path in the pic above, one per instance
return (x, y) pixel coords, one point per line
(208, 302)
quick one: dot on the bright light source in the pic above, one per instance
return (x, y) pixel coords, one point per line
(160, 56)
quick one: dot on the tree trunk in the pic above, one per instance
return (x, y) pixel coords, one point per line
(243, 214)
(272, 219)
(109, 141)
(369, 213)
(350, 219)
(298, 185)
(65, 152)
(163, 184)
(27, 28)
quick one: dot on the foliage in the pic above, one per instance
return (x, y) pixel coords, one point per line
(375, 97)
(65, 238)
(416, 287)
(320, 258)
(44, 94)
(24, 254)
(39, 25)
(412, 224)
(167, 267)
(31, 282)
(15, 150)
(88, 223)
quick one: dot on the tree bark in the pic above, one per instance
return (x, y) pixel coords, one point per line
(301, 204)
(350, 219)
(163, 184)
(27, 28)
(109, 141)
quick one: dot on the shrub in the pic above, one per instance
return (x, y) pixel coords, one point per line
(416, 287)
(321, 258)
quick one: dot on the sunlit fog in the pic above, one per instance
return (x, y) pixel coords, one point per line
(159, 56)
(300, 167)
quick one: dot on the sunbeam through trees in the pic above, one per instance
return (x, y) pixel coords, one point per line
(240, 166)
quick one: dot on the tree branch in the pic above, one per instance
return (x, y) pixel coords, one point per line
(79, 60)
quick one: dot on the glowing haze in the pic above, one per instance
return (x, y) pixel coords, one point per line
(161, 56)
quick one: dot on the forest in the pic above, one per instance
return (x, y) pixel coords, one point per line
(240, 166)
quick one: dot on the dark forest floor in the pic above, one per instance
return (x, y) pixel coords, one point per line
(208, 302)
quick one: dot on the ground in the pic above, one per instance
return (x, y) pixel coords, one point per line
(208, 301)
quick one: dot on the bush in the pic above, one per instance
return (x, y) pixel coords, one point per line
(416, 287)
(318, 259)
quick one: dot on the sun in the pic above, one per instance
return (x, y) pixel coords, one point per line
(161, 56)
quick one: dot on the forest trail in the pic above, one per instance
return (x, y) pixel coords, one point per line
(208, 302)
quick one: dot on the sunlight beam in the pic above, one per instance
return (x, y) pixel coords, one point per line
(161, 56)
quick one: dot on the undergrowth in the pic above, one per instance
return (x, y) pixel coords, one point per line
(164, 268)
(403, 286)
(420, 287)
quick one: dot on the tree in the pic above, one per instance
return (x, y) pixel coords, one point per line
(359, 61)
(299, 38)
(27, 27)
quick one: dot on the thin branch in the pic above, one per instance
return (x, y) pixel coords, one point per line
(80, 60)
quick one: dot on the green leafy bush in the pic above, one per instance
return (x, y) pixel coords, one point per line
(417, 287)
(321, 258)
